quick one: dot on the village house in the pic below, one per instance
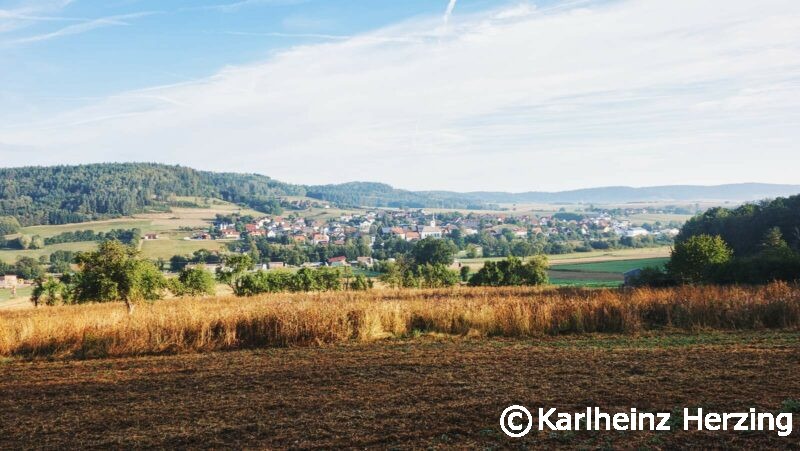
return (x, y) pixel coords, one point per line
(429, 231)
(150, 236)
(9, 281)
(338, 261)
(230, 234)
(412, 236)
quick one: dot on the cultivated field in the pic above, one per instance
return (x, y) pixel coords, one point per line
(401, 369)
(426, 392)
(607, 273)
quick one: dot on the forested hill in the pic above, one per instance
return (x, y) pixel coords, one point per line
(745, 229)
(382, 195)
(67, 194)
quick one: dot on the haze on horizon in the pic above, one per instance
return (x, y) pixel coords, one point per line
(499, 96)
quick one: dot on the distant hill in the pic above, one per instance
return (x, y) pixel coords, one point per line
(382, 195)
(624, 194)
(69, 194)
(374, 194)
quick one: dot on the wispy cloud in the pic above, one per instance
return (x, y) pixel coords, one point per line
(30, 12)
(82, 27)
(277, 34)
(236, 6)
(449, 12)
(628, 92)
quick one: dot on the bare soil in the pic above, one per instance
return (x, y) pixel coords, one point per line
(428, 392)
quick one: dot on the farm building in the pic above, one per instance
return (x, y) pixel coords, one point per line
(338, 261)
(9, 281)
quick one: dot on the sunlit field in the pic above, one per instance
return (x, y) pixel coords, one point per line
(281, 320)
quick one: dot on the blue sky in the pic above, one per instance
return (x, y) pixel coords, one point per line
(132, 44)
(505, 95)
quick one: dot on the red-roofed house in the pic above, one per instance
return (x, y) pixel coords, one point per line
(338, 261)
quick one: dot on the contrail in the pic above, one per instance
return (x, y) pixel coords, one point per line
(450, 7)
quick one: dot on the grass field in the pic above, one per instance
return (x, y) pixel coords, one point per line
(611, 266)
(426, 393)
(10, 256)
(595, 274)
(46, 231)
(586, 257)
(166, 248)
(21, 300)
(168, 225)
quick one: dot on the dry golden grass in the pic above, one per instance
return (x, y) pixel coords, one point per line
(280, 320)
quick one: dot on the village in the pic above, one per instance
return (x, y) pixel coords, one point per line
(471, 231)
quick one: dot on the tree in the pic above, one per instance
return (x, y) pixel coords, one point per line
(28, 268)
(360, 283)
(774, 245)
(512, 272)
(49, 292)
(60, 261)
(9, 225)
(235, 265)
(437, 276)
(36, 242)
(464, 272)
(693, 260)
(116, 272)
(432, 251)
(195, 282)
(24, 242)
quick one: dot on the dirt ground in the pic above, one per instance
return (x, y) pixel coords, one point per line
(439, 393)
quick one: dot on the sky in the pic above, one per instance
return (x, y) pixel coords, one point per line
(461, 95)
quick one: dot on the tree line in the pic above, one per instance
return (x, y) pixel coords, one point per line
(752, 244)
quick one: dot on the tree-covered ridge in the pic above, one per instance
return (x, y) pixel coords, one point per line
(69, 194)
(745, 227)
(368, 194)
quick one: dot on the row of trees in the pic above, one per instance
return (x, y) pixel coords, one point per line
(512, 272)
(126, 236)
(116, 272)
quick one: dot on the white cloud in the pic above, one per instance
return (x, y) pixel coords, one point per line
(632, 92)
(29, 12)
(82, 27)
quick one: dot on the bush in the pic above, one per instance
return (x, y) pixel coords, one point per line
(437, 276)
(651, 277)
(9, 225)
(694, 260)
(512, 272)
(306, 279)
(360, 283)
(194, 282)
